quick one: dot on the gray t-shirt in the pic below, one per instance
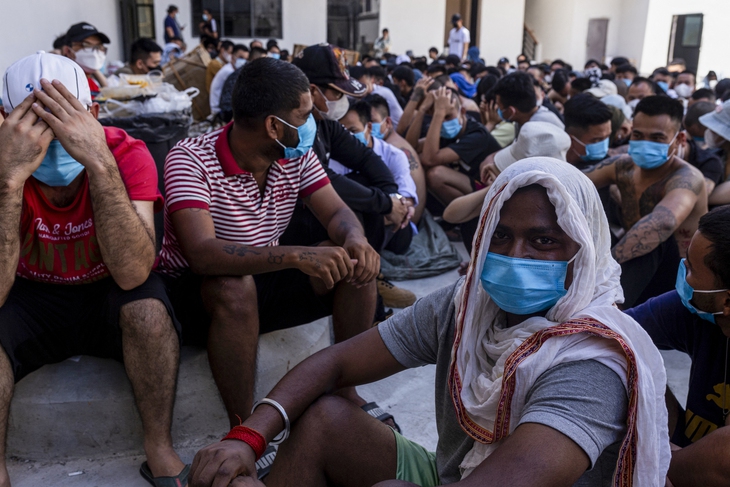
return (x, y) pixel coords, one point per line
(584, 400)
(544, 115)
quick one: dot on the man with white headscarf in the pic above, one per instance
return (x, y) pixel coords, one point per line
(538, 373)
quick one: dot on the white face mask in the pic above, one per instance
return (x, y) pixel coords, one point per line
(226, 57)
(90, 59)
(713, 140)
(683, 90)
(713, 83)
(335, 109)
(633, 103)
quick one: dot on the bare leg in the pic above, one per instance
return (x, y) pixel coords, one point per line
(233, 340)
(447, 184)
(335, 443)
(352, 313)
(151, 358)
(7, 384)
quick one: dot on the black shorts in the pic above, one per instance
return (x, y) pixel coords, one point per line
(285, 299)
(47, 323)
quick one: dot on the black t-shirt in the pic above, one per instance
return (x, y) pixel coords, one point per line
(672, 327)
(472, 147)
(708, 161)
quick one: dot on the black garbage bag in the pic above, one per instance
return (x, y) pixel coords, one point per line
(160, 132)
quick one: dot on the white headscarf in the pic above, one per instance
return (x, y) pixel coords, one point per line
(483, 363)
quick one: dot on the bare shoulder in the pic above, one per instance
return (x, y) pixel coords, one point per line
(686, 177)
(611, 161)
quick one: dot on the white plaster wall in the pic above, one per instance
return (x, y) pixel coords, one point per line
(501, 24)
(561, 27)
(33, 25)
(630, 42)
(414, 24)
(304, 22)
(715, 50)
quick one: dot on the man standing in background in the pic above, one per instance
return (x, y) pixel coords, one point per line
(172, 28)
(459, 37)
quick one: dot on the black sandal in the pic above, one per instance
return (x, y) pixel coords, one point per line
(377, 412)
(180, 480)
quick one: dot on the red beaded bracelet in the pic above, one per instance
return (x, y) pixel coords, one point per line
(251, 437)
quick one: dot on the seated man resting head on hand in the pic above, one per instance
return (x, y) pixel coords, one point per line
(76, 206)
(540, 379)
(231, 195)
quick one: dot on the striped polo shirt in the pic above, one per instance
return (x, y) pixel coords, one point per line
(202, 173)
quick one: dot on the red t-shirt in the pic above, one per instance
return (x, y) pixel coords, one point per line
(59, 245)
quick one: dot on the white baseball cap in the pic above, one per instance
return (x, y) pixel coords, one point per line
(605, 87)
(536, 139)
(23, 76)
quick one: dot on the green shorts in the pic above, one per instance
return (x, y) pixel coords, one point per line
(415, 463)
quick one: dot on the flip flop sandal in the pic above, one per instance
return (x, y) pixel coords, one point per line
(180, 480)
(376, 412)
(263, 465)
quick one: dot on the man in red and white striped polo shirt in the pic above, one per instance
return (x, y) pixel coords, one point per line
(230, 196)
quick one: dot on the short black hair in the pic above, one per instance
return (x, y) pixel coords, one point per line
(696, 111)
(626, 68)
(516, 90)
(257, 52)
(704, 93)
(362, 108)
(267, 86)
(722, 87)
(358, 72)
(640, 79)
(619, 61)
(585, 110)
(208, 41)
(495, 71)
(715, 227)
(172, 8)
(239, 47)
(435, 68)
(662, 71)
(592, 61)
(379, 103)
(661, 105)
(581, 84)
(689, 71)
(225, 45)
(403, 73)
(271, 43)
(376, 72)
(560, 62)
(453, 59)
(420, 65)
(561, 78)
(254, 41)
(142, 48)
(485, 86)
(60, 41)
(433, 49)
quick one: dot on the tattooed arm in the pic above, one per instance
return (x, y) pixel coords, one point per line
(681, 194)
(344, 229)
(603, 173)
(208, 255)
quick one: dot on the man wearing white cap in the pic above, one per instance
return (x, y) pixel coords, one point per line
(717, 136)
(75, 277)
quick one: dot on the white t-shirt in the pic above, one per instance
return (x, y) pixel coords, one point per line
(457, 39)
(397, 162)
(396, 112)
(216, 87)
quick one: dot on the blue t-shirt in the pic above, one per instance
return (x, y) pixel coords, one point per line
(172, 23)
(672, 327)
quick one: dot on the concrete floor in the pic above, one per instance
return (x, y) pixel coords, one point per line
(408, 396)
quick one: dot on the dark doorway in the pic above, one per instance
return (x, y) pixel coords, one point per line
(686, 39)
(342, 23)
(138, 20)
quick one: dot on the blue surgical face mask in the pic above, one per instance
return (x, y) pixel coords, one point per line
(627, 82)
(686, 292)
(306, 132)
(450, 128)
(375, 132)
(699, 140)
(58, 167)
(524, 286)
(275, 55)
(596, 151)
(663, 85)
(649, 155)
(240, 62)
(361, 137)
